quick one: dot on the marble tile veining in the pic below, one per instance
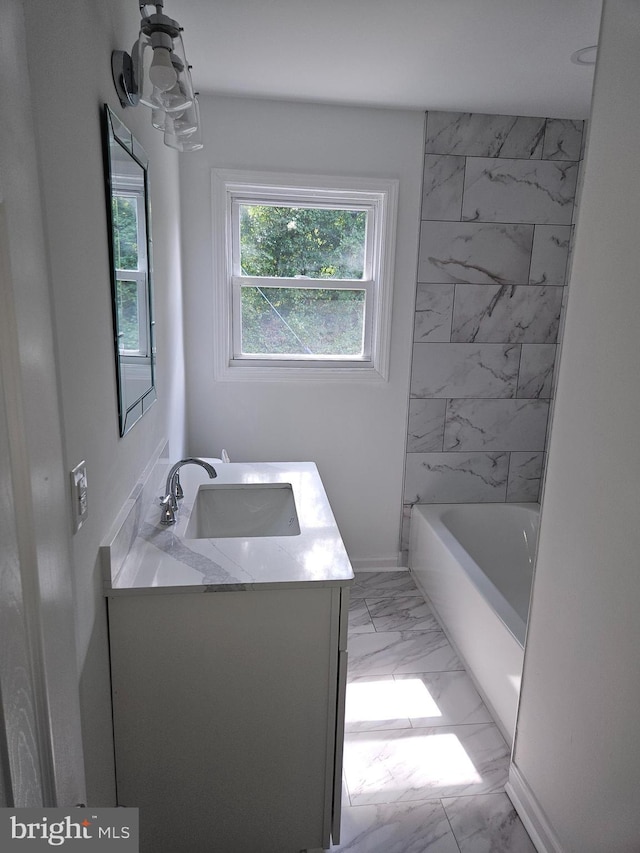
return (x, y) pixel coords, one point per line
(424, 763)
(562, 139)
(426, 425)
(383, 583)
(396, 828)
(464, 370)
(487, 823)
(537, 362)
(525, 474)
(540, 191)
(434, 308)
(410, 613)
(478, 135)
(359, 617)
(506, 313)
(442, 187)
(394, 652)
(549, 255)
(458, 477)
(474, 252)
(496, 425)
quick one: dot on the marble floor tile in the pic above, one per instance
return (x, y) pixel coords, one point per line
(416, 700)
(487, 824)
(390, 652)
(367, 583)
(374, 703)
(451, 695)
(422, 764)
(397, 828)
(359, 617)
(401, 613)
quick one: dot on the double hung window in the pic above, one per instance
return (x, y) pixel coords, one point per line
(130, 258)
(303, 268)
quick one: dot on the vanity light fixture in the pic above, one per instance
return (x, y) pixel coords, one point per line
(157, 74)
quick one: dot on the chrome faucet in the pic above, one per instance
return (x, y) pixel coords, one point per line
(173, 490)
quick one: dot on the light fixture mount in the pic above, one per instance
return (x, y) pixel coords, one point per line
(124, 78)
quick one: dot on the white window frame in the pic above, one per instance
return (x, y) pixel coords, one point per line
(131, 189)
(232, 188)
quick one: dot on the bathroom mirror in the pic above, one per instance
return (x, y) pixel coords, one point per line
(130, 252)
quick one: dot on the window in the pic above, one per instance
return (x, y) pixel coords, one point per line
(303, 275)
(129, 242)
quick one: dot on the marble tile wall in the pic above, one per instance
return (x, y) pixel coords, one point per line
(497, 211)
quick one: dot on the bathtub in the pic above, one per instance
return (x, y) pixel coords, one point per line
(474, 563)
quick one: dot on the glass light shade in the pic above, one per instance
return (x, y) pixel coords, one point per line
(182, 67)
(193, 142)
(187, 122)
(170, 137)
(178, 97)
(158, 118)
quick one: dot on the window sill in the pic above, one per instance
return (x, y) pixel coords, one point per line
(331, 373)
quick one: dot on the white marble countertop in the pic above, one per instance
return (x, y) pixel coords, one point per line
(143, 556)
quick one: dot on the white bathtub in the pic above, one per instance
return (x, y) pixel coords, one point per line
(474, 563)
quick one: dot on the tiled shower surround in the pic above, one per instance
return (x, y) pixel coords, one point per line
(497, 213)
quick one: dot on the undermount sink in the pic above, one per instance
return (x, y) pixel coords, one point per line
(248, 510)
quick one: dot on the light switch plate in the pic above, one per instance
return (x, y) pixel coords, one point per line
(79, 506)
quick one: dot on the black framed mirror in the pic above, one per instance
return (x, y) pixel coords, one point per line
(131, 270)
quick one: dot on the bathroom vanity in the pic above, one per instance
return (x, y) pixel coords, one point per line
(228, 665)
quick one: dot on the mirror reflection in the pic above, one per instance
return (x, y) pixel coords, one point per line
(131, 272)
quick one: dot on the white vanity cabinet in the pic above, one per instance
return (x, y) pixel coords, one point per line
(229, 715)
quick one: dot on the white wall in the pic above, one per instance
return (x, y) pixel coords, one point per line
(577, 747)
(37, 645)
(354, 431)
(69, 68)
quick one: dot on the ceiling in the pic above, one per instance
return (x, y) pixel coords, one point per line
(493, 56)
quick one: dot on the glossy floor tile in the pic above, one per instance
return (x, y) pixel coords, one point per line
(424, 764)
(487, 824)
(397, 828)
(396, 583)
(414, 700)
(401, 613)
(391, 652)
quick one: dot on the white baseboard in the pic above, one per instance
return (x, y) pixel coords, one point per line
(381, 564)
(531, 813)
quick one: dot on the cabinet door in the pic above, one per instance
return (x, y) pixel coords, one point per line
(225, 710)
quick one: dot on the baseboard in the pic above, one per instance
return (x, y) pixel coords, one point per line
(531, 813)
(381, 564)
